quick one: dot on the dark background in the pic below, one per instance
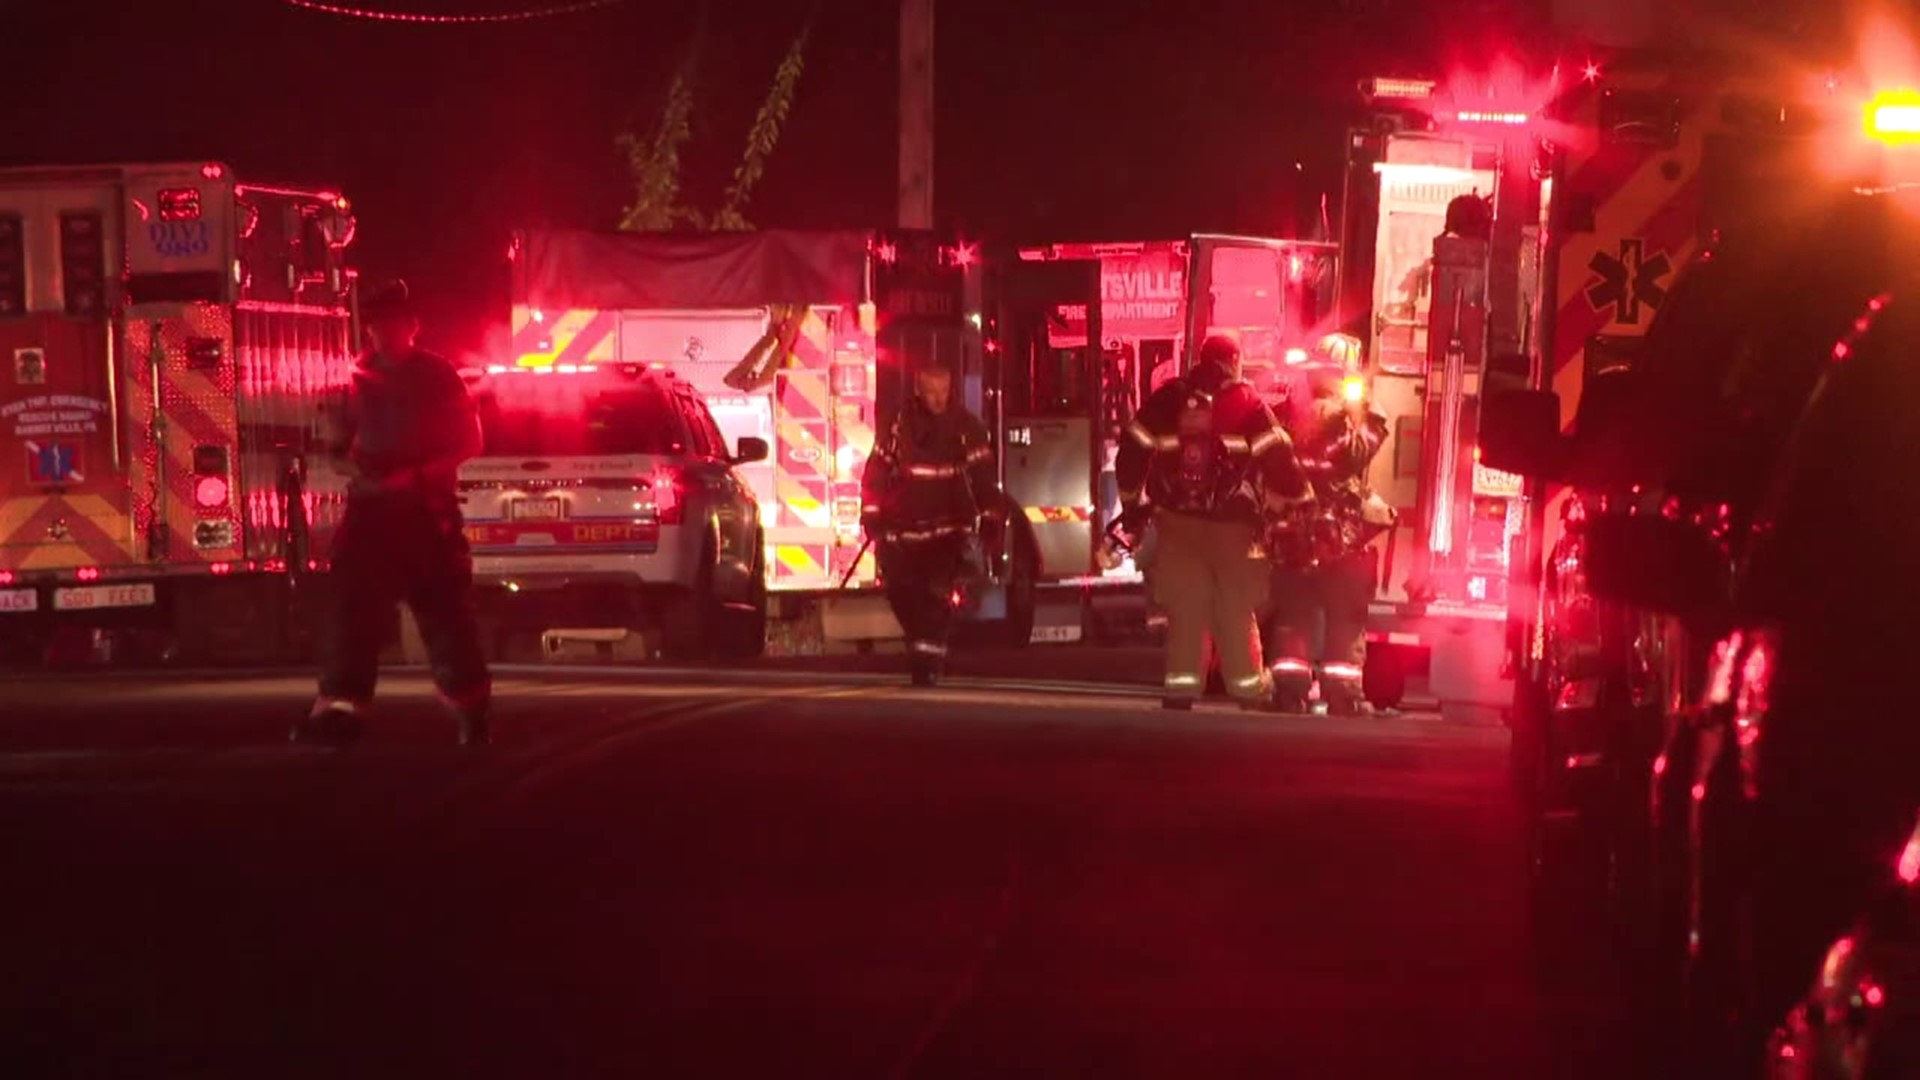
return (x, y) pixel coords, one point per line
(1126, 119)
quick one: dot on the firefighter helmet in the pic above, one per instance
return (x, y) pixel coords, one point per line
(1342, 350)
(387, 300)
(1220, 351)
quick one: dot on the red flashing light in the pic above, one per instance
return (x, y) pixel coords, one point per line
(221, 568)
(212, 170)
(886, 252)
(1909, 867)
(88, 573)
(6, 577)
(210, 492)
(965, 254)
(1591, 72)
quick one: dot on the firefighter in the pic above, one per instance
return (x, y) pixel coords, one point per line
(406, 426)
(1323, 567)
(1207, 455)
(928, 489)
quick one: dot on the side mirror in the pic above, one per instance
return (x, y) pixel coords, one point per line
(751, 448)
(1520, 433)
(1656, 563)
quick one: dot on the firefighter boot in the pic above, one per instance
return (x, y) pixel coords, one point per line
(1292, 682)
(1340, 689)
(332, 723)
(475, 728)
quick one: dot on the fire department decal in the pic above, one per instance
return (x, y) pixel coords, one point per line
(29, 367)
(53, 463)
(1629, 281)
(53, 414)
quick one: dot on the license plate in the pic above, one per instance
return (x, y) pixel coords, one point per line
(103, 596)
(1054, 634)
(19, 600)
(534, 510)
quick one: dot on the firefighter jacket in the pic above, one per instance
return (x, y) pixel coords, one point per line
(409, 422)
(932, 475)
(1255, 455)
(1335, 443)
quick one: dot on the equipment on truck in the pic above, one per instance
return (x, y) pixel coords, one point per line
(170, 337)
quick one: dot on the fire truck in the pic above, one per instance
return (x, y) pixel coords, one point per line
(169, 337)
(1612, 177)
(1441, 314)
(1071, 387)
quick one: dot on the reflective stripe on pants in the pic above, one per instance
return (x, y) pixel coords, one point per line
(1208, 577)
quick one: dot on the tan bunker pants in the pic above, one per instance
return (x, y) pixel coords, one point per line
(1209, 577)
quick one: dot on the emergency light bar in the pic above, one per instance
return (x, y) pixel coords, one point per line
(1512, 119)
(1422, 174)
(1398, 89)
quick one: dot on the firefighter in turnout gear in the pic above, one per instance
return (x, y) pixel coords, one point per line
(1207, 456)
(406, 426)
(1323, 567)
(928, 488)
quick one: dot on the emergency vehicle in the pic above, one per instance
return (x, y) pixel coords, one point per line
(168, 336)
(806, 340)
(1444, 315)
(1071, 403)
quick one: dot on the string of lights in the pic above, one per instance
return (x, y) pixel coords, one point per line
(420, 18)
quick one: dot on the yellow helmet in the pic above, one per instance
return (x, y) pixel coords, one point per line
(1340, 349)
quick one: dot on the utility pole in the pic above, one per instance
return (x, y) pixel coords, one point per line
(916, 114)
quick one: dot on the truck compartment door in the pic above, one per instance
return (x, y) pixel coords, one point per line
(1272, 296)
(1052, 406)
(64, 492)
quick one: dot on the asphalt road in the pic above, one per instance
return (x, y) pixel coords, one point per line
(667, 879)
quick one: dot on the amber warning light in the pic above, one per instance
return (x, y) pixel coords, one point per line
(1894, 116)
(1398, 89)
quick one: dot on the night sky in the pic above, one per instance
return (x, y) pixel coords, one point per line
(1127, 119)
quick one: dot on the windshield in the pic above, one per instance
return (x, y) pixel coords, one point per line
(557, 416)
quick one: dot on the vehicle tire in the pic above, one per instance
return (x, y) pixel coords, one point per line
(1384, 678)
(690, 618)
(743, 634)
(1016, 630)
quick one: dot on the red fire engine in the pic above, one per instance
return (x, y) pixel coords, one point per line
(168, 335)
(1444, 311)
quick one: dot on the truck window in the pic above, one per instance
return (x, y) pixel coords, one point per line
(560, 417)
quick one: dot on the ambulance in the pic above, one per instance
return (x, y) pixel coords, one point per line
(169, 335)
